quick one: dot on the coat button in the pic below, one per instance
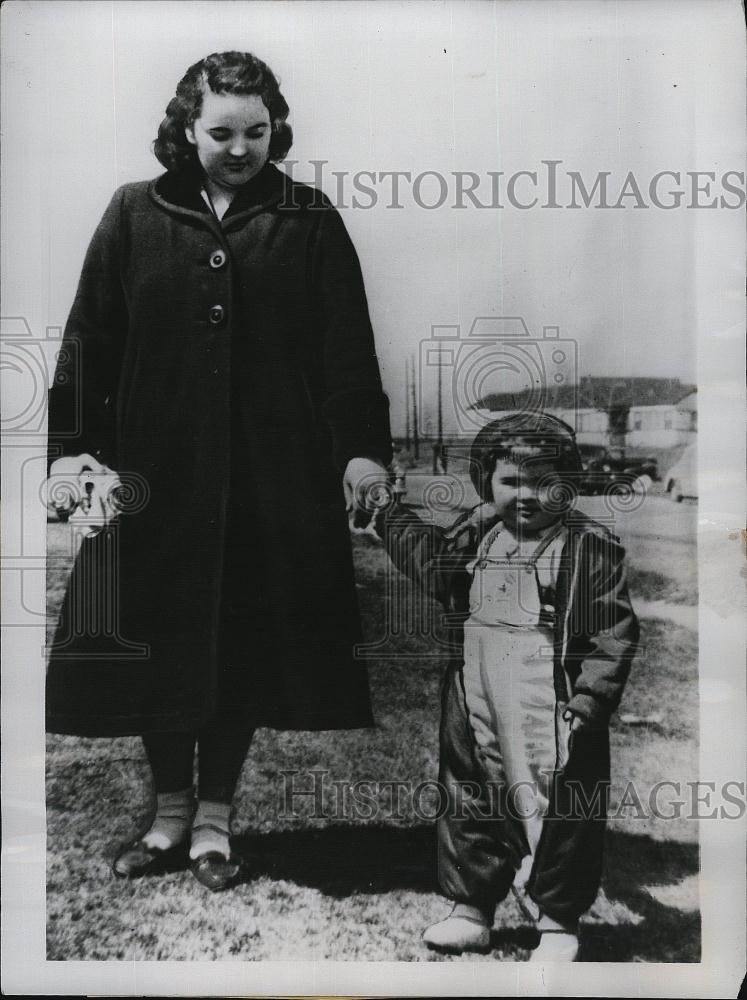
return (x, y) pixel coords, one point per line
(216, 314)
(217, 259)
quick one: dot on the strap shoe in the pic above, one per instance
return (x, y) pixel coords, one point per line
(216, 871)
(137, 859)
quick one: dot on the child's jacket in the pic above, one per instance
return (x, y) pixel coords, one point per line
(596, 631)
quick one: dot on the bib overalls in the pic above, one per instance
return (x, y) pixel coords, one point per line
(513, 737)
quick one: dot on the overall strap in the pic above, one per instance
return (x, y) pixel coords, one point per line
(488, 538)
(529, 562)
(546, 542)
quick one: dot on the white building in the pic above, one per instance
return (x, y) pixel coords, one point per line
(663, 426)
(666, 424)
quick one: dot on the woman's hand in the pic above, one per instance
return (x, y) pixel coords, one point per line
(80, 486)
(364, 480)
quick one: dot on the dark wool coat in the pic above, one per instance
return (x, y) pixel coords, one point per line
(227, 371)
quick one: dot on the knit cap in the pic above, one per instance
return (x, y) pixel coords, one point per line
(518, 436)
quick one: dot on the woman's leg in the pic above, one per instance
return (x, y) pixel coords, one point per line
(222, 749)
(171, 756)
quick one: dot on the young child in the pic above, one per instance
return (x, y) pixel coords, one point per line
(545, 636)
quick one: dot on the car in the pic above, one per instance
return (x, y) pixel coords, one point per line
(611, 470)
(682, 478)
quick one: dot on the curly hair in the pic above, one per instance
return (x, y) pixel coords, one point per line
(222, 73)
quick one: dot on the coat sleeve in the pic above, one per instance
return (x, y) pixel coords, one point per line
(354, 404)
(609, 628)
(81, 400)
(432, 557)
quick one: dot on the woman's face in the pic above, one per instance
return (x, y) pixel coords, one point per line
(231, 137)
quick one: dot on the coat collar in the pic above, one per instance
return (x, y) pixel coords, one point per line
(178, 192)
(468, 532)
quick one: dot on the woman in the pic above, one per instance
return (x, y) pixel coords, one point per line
(220, 355)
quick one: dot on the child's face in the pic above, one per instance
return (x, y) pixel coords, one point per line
(521, 494)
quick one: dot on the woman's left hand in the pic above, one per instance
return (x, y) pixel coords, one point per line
(364, 479)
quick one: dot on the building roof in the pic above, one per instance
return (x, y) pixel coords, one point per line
(598, 392)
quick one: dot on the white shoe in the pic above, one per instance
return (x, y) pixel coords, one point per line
(556, 946)
(460, 931)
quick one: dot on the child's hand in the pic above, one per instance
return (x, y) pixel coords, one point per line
(577, 722)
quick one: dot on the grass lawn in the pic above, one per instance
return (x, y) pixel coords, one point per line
(362, 886)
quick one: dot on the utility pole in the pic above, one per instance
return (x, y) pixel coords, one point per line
(415, 438)
(439, 452)
(440, 400)
(407, 404)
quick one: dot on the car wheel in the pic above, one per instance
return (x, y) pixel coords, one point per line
(620, 489)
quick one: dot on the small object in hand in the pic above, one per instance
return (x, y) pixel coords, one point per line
(96, 505)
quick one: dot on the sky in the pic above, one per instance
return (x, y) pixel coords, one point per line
(421, 87)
